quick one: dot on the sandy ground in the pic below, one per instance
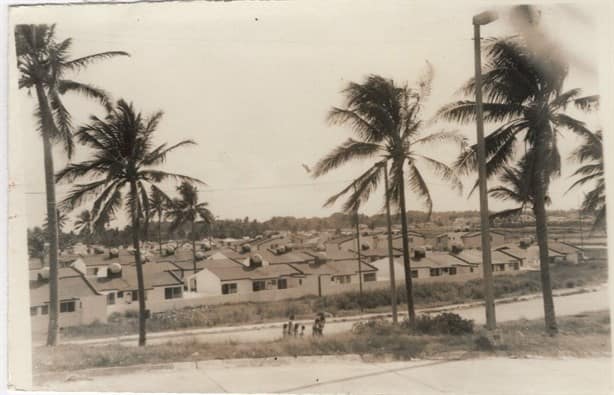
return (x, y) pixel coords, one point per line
(529, 309)
(350, 374)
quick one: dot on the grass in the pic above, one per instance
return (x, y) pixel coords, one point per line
(580, 335)
(425, 295)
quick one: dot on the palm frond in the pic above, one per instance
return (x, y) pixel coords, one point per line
(84, 61)
(350, 150)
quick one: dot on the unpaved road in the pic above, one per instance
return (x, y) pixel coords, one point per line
(529, 309)
(350, 374)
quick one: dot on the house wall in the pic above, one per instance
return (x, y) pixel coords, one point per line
(206, 283)
(93, 308)
(87, 310)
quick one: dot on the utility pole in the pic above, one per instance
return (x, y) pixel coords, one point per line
(491, 323)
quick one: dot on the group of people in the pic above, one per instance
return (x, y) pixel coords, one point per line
(295, 329)
(292, 328)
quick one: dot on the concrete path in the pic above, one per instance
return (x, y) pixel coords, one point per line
(529, 307)
(350, 374)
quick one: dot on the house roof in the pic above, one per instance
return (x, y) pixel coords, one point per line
(227, 270)
(562, 248)
(71, 285)
(343, 267)
(335, 254)
(478, 233)
(295, 256)
(154, 275)
(514, 251)
(474, 257)
(438, 260)
(380, 252)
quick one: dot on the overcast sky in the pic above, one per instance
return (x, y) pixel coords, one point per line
(252, 83)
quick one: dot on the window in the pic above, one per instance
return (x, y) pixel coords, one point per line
(452, 271)
(414, 274)
(435, 272)
(67, 307)
(173, 292)
(45, 310)
(258, 286)
(33, 311)
(111, 298)
(230, 288)
(369, 277)
(135, 295)
(120, 294)
(516, 266)
(300, 282)
(282, 283)
(471, 269)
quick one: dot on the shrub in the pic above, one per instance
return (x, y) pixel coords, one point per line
(441, 324)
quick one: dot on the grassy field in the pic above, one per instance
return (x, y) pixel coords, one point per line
(425, 295)
(580, 335)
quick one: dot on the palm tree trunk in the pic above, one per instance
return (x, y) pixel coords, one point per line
(393, 283)
(193, 247)
(406, 260)
(52, 217)
(542, 233)
(160, 231)
(360, 297)
(139, 265)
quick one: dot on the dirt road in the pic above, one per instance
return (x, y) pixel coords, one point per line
(350, 374)
(529, 309)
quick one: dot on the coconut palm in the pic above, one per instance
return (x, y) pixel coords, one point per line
(516, 186)
(159, 203)
(43, 63)
(385, 118)
(84, 224)
(525, 99)
(590, 155)
(187, 210)
(122, 164)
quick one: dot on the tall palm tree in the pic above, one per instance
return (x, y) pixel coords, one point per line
(516, 186)
(43, 63)
(590, 155)
(386, 120)
(524, 96)
(123, 157)
(187, 210)
(84, 224)
(159, 203)
(61, 220)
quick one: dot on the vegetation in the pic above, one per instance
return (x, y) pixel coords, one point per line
(187, 209)
(526, 100)
(123, 158)
(590, 154)
(386, 119)
(43, 63)
(344, 304)
(580, 335)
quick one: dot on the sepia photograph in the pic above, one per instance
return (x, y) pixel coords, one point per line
(309, 196)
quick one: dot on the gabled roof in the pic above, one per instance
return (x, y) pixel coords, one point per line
(514, 251)
(380, 252)
(228, 270)
(335, 254)
(474, 257)
(335, 268)
(71, 285)
(478, 233)
(438, 260)
(562, 248)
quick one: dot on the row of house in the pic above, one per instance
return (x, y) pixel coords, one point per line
(92, 287)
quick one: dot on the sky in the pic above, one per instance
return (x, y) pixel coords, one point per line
(252, 82)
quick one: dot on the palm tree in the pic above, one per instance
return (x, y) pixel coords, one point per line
(159, 202)
(43, 62)
(516, 186)
(61, 219)
(385, 119)
(84, 224)
(187, 210)
(590, 154)
(123, 157)
(525, 98)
